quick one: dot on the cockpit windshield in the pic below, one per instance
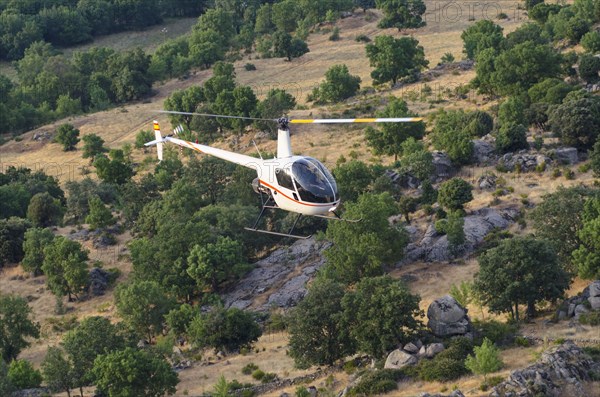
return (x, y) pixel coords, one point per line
(314, 182)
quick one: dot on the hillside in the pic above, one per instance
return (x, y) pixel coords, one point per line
(430, 280)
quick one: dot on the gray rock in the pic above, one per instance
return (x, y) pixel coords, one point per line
(454, 393)
(411, 348)
(39, 392)
(566, 155)
(399, 359)
(571, 310)
(282, 276)
(447, 317)
(561, 367)
(579, 310)
(595, 302)
(487, 182)
(432, 349)
(562, 315)
(443, 168)
(526, 161)
(483, 151)
(594, 288)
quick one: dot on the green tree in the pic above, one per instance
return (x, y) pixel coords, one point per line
(454, 193)
(451, 136)
(93, 145)
(142, 305)
(463, 292)
(511, 111)
(375, 334)
(287, 46)
(318, 335)
(511, 137)
(339, 84)
(353, 178)
(179, 319)
(44, 210)
(114, 170)
(595, 159)
(480, 123)
(365, 4)
(576, 121)
(589, 66)
(100, 216)
(390, 138)
(132, 372)
(361, 249)
(520, 270)
(15, 326)
(65, 266)
(12, 234)
(22, 375)
(56, 370)
(418, 163)
(36, 240)
(591, 42)
(144, 136)
(481, 35)
(455, 232)
(67, 135)
(586, 257)
(401, 14)
(93, 337)
(394, 58)
(6, 387)
(213, 263)
(486, 359)
(276, 104)
(550, 91)
(407, 205)
(224, 329)
(558, 218)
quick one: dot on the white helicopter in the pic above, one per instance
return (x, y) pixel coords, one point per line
(293, 183)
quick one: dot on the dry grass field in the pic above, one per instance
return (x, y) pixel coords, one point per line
(119, 126)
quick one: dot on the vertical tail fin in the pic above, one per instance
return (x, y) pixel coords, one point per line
(158, 137)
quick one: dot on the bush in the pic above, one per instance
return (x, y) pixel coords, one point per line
(591, 42)
(522, 342)
(248, 369)
(258, 374)
(377, 382)
(591, 318)
(511, 137)
(496, 331)
(441, 369)
(249, 67)
(589, 66)
(22, 375)
(335, 35)
(268, 377)
(362, 38)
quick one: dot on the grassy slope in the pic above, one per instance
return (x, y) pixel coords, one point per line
(119, 126)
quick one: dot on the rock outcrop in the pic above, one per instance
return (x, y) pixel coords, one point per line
(442, 165)
(433, 247)
(398, 359)
(561, 371)
(280, 278)
(411, 354)
(566, 155)
(448, 318)
(588, 299)
(484, 150)
(525, 161)
(455, 393)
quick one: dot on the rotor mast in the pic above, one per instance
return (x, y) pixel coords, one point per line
(284, 146)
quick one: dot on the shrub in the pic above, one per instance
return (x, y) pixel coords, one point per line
(335, 35)
(248, 369)
(377, 382)
(362, 38)
(268, 377)
(522, 342)
(441, 369)
(249, 67)
(22, 375)
(258, 374)
(496, 331)
(591, 318)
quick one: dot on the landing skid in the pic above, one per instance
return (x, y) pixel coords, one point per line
(270, 204)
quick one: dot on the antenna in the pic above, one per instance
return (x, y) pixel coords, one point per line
(258, 151)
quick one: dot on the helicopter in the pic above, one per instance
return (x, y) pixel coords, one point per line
(294, 183)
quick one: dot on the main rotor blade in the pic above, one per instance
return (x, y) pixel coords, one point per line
(221, 116)
(374, 120)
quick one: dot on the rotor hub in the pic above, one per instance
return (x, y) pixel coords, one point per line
(283, 123)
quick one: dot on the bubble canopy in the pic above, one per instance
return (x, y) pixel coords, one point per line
(314, 182)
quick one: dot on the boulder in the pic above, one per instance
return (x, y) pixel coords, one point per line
(524, 160)
(579, 310)
(432, 349)
(411, 348)
(399, 359)
(448, 318)
(39, 392)
(595, 302)
(454, 393)
(443, 168)
(487, 182)
(483, 151)
(566, 155)
(594, 288)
